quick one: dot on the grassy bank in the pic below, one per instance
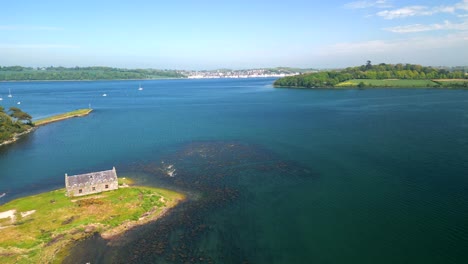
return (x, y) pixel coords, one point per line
(39, 228)
(455, 83)
(394, 83)
(76, 113)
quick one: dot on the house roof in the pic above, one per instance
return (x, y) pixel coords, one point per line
(92, 178)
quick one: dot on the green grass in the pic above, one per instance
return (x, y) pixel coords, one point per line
(394, 83)
(76, 113)
(459, 81)
(453, 83)
(60, 220)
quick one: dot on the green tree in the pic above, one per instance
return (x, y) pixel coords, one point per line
(15, 122)
(19, 115)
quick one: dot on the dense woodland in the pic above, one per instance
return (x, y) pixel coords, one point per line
(368, 71)
(13, 121)
(18, 73)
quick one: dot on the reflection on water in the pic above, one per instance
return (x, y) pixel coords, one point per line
(221, 178)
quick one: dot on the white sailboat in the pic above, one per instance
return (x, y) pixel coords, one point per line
(140, 88)
(9, 93)
(1, 98)
(104, 95)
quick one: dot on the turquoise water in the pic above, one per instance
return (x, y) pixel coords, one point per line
(275, 175)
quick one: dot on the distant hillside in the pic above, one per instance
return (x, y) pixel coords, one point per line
(292, 70)
(18, 73)
(389, 74)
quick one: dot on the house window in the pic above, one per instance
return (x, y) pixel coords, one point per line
(107, 186)
(94, 188)
(80, 191)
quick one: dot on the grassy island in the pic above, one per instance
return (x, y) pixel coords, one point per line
(40, 228)
(379, 76)
(59, 117)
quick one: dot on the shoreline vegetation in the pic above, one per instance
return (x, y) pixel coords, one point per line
(378, 76)
(18, 124)
(41, 228)
(14, 123)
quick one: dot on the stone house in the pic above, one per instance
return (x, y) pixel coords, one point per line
(89, 183)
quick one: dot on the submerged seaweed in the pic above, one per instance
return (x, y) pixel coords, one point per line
(217, 176)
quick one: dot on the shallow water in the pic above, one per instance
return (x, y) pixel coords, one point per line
(274, 175)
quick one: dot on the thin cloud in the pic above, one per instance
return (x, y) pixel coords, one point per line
(444, 9)
(410, 11)
(462, 5)
(368, 4)
(29, 28)
(447, 25)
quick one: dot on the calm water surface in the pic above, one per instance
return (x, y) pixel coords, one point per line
(273, 175)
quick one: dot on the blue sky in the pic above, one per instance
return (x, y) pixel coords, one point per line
(232, 34)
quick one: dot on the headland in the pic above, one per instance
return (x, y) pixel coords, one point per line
(378, 76)
(29, 126)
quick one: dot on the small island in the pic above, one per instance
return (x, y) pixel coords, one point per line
(16, 123)
(378, 76)
(40, 228)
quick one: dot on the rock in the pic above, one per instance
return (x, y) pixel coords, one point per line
(90, 229)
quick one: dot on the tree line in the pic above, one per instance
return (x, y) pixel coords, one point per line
(19, 73)
(368, 71)
(13, 121)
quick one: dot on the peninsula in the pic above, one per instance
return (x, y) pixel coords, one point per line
(379, 76)
(16, 123)
(60, 117)
(40, 228)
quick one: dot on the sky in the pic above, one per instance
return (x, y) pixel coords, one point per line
(207, 34)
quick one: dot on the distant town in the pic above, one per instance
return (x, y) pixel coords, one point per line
(248, 73)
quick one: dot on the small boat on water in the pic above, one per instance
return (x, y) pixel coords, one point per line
(1, 98)
(18, 103)
(104, 95)
(9, 93)
(140, 88)
(2, 195)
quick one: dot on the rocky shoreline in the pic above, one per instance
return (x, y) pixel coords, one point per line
(16, 137)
